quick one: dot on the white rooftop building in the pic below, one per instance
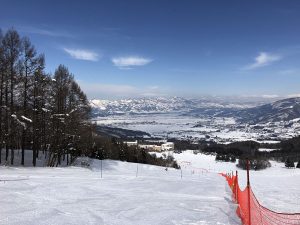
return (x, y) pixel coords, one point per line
(167, 146)
(156, 148)
(131, 143)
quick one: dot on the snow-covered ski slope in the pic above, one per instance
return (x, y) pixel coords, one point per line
(277, 187)
(76, 195)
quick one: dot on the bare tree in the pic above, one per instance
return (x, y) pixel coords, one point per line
(39, 112)
(12, 44)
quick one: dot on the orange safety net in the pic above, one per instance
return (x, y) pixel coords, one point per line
(252, 212)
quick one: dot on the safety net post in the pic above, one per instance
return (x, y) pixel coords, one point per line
(248, 190)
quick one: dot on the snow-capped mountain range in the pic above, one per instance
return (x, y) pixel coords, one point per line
(246, 111)
(282, 110)
(165, 105)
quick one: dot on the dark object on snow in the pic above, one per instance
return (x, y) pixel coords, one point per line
(298, 164)
(289, 163)
(255, 164)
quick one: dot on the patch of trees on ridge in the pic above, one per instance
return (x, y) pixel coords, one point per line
(254, 164)
(238, 149)
(47, 113)
(106, 148)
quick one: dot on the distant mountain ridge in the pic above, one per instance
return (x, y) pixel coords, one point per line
(161, 105)
(282, 110)
(247, 112)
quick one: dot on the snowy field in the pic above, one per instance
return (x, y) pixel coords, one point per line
(76, 195)
(181, 127)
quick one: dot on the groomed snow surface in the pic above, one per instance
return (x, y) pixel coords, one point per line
(77, 195)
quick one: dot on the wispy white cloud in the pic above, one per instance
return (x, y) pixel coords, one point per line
(45, 31)
(102, 91)
(263, 59)
(130, 61)
(82, 54)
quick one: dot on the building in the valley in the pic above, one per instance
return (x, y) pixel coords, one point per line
(131, 143)
(165, 146)
(168, 146)
(155, 148)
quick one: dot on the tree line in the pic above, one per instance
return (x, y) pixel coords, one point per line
(38, 111)
(116, 149)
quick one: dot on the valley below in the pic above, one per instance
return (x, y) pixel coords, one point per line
(212, 122)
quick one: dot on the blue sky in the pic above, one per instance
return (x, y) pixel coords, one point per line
(138, 48)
